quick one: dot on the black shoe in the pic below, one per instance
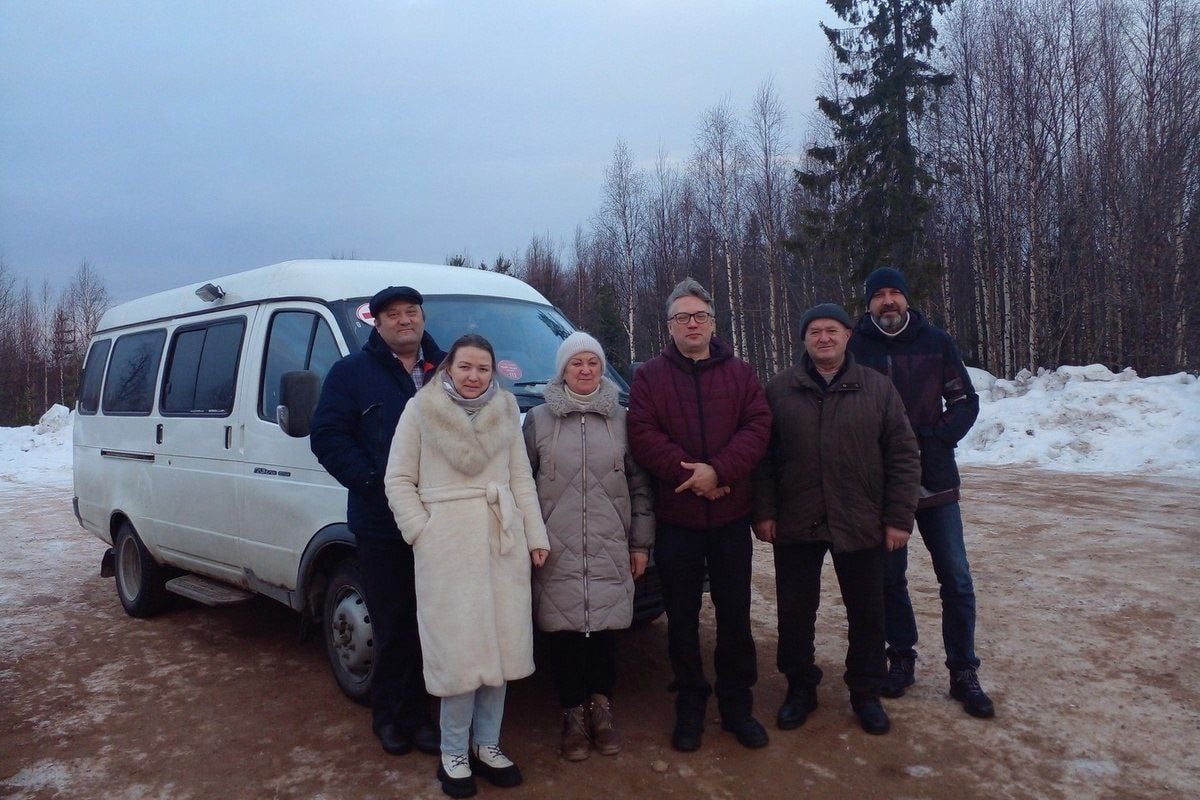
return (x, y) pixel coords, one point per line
(463, 786)
(900, 676)
(394, 741)
(749, 732)
(796, 706)
(965, 688)
(686, 736)
(428, 739)
(871, 716)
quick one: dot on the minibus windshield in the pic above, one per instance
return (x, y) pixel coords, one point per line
(525, 336)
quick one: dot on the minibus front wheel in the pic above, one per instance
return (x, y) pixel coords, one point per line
(140, 581)
(347, 630)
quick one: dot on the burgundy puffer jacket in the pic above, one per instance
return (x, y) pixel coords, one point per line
(713, 411)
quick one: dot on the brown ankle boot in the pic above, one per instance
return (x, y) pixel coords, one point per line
(604, 730)
(575, 744)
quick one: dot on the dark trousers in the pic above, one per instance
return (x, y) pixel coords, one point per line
(942, 532)
(398, 695)
(681, 555)
(798, 593)
(583, 665)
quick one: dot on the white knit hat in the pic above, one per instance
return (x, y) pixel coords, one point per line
(578, 342)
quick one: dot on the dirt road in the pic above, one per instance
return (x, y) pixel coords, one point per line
(1089, 609)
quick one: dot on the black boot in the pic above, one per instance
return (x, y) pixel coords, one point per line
(871, 716)
(394, 741)
(801, 699)
(901, 671)
(689, 721)
(965, 688)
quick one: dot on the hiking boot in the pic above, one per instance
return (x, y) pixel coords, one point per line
(871, 716)
(605, 736)
(454, 772)
(796, 706)
(490, 762)
(901, 671)
(575, 744)
(749, 731)
(965, 688)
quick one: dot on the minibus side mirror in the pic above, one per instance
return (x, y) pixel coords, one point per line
(298, 392)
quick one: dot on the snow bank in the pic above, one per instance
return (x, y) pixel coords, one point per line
(1081, 419)
(38, 455)
(1087, 419)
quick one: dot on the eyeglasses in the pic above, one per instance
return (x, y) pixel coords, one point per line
(684, 318)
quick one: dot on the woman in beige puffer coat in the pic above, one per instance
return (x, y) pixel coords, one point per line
(597, 505)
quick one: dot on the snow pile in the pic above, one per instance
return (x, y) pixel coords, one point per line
(1081, 419)
(38, 455)
(1087, 419)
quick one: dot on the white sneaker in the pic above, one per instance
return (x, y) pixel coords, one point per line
(492, 756)
(456, 766)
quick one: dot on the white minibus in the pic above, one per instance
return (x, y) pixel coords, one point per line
(190, 441)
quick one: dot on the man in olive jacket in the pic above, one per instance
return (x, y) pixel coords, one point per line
(842, 474)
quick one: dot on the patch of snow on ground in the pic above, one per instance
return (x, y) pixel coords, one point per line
(1087, 419)
(38, 455)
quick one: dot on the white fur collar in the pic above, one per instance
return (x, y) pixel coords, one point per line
(468, 443)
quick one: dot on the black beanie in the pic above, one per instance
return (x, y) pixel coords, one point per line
(824, 311)
(884, 277)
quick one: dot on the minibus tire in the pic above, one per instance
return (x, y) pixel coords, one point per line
(346, 628)
(140, 581)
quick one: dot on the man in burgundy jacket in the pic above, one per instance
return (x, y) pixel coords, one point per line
(699, 423)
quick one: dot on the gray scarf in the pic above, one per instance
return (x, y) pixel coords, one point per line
(470, 405)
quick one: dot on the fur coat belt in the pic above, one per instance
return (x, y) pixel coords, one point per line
(500, 500)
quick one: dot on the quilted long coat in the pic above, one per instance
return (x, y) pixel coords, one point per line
(598, 507)
(464, 498)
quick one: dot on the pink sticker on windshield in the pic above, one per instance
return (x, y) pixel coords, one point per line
(363, 312)
(509, 369)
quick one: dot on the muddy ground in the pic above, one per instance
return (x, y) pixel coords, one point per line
(1089, 630)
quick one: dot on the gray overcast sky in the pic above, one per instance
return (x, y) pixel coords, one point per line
(168, 142)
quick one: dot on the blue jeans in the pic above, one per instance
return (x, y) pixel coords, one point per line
(942, 531)
(473, 715)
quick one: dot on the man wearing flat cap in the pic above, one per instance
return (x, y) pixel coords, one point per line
(841, 475)
(361, 402)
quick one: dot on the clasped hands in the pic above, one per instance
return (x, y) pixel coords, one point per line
(703, 481)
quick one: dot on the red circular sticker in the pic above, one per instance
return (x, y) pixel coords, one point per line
(363, 312)
(509, 369)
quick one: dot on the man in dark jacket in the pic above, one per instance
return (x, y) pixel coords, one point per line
(841, 475)
(698, 423)
(360, 405)
(923, 363)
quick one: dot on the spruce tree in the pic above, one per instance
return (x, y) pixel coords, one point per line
(871, 178)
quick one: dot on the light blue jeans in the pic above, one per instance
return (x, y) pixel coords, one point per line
(472, 715)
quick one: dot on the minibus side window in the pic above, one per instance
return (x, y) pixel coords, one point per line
(296, 340)
(129, 381)
(93, 376)
(201, 372)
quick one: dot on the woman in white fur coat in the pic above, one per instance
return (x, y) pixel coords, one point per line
(459, 483)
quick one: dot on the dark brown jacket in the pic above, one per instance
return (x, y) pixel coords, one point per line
(843, 461)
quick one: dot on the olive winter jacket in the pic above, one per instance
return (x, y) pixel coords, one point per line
(842, 462)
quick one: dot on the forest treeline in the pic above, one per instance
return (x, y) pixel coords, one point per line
(1062, 221)
(1033, 165)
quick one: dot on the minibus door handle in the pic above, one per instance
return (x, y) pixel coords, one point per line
(158, 433)
(228, 436)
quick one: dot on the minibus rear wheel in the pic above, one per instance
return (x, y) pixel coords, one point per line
(346, 623)
(140, 581)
